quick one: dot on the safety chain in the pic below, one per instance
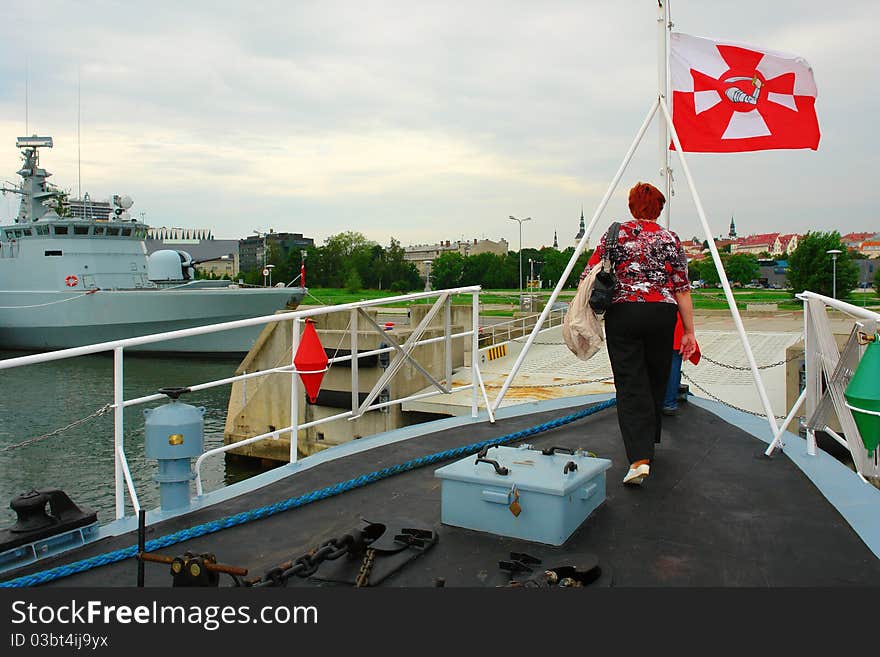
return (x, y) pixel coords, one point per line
(721, 401)
(363, 577)
(31, 441)
(307, 564)
(746, 368)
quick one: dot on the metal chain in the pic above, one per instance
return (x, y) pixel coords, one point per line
(31, 441)
(721, 401)
(363, 578)
(307, 564)
(747, 368)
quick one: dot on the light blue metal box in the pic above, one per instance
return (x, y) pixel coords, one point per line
(555, 492)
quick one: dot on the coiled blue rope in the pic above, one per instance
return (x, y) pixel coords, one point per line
(292, 503)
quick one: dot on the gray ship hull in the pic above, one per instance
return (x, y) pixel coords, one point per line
(45, 321)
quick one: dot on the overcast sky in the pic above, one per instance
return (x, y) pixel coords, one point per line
(424, 121)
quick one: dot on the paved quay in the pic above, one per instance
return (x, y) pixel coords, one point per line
(550, 370)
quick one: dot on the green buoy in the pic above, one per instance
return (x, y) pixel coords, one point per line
(863, 395)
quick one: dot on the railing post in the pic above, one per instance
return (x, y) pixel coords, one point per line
(294, 391)
(355, 397)
(118, 430)
(475, 350)
(812, 376)
(447, 343)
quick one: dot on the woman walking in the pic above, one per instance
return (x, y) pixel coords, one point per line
(652, 288)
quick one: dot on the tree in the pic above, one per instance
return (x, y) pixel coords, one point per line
(446, 270)
(694, 270)
(402, 274)
(708, 272)
(742, 268)
(810, 266)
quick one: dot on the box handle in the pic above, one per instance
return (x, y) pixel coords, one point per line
(499, 469)
(588, 491)
(552, 450)
(571, 466)
(496, 496)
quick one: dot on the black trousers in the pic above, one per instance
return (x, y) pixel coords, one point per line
(639, 338)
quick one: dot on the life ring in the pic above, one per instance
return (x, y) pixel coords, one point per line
(71, 281)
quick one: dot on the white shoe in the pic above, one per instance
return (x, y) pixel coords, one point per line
(637, 474)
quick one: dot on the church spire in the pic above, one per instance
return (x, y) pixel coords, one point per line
(732, 233)
(555, 241)
(583, 228)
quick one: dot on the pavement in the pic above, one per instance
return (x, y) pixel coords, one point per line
(551, 371)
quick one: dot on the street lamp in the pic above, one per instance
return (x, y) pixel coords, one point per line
(520, 222)
(834, 253)
(270, 268)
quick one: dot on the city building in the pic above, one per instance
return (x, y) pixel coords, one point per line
(253, 250)
(785, 244)
(85, 208)
(423, 254)
(764, 243)
(854, 241)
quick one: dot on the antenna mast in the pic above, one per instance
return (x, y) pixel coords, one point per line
(27, 76)
(78, 137)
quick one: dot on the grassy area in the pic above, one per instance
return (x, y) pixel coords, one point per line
(707, 298)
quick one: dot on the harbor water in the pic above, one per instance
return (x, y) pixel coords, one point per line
(38, 399)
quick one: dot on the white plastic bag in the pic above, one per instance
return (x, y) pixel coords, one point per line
(581, 328)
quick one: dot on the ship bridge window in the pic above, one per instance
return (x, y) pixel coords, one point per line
(52, 253)
(126, 232)
(113, 230)
(59, 230)
(99, 230)
(80, 230)
(27, 232)
(42, 230)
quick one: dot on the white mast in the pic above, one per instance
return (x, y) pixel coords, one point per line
(663, 26)
(78, 138)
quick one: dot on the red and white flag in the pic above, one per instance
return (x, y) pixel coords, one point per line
(729, 97)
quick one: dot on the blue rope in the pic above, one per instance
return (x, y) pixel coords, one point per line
(292, 503)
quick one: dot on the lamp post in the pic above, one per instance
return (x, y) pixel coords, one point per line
(520, 222)
(834, 253)
(270, 268)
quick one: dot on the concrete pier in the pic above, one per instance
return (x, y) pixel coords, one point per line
(262, 404)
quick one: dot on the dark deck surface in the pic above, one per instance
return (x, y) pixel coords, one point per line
(712, 513)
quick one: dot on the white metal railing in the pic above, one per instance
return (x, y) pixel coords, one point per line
(122, 476)
(517, 327)
(828, 370)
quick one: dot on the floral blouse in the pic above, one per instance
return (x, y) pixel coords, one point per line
(650, 263)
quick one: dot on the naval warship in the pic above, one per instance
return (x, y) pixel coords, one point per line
(70, 281)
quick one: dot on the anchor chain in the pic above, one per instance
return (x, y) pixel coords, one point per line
(36, 439)
(307, 564)
(363, 577)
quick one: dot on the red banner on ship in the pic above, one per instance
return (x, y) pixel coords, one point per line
(729, 97)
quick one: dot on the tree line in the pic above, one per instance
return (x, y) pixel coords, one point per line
(351, 261)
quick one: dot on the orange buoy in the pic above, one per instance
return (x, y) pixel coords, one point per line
(311, 361)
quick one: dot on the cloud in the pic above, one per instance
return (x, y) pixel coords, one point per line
(402, 118)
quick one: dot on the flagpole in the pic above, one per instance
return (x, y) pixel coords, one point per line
(662, 90)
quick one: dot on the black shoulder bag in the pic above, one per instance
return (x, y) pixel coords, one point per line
(606, 281)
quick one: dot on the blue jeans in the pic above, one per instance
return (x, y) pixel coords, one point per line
(671, 399)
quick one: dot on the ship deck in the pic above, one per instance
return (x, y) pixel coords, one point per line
(714, 512)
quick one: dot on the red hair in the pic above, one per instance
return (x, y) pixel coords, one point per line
(646, 201)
